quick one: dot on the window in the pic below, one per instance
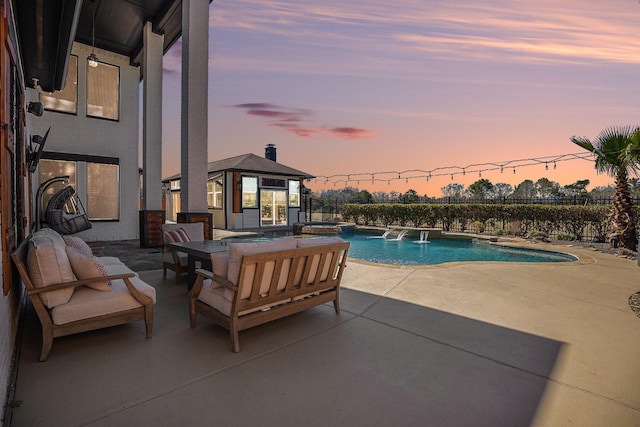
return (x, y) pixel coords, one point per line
(249, 192)
(99, 182)
(103, 91)
(66, 100)
(294, 193)
(273, 182)
(214, 192)
(52, 169)
(172, 212)
(103, 191)
(174, 185)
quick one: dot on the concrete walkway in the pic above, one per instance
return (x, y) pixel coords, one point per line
(474, 344)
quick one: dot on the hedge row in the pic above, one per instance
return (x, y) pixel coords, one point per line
(523, 219)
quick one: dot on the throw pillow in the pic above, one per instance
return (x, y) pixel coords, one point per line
(178, 235)
(79, 244)
(88, 267)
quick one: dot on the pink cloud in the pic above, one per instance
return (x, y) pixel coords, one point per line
(296, 129)
(351, 133)
(273, 111)
(292, 120)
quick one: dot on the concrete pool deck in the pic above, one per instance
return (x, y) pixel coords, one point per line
(478, 344)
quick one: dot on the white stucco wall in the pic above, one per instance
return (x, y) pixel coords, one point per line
(79, 134)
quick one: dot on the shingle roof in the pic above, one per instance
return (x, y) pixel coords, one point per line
(250, 163)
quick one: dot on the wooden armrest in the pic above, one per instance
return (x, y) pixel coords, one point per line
(223, 281)
(79, 282)
(201, 275)
(139, 296)
(206, 273)
(219, 279)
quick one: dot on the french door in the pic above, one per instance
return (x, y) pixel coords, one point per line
(273, 207)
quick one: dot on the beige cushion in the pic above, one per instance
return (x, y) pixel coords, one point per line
(51, 234)
(88, 267)
(217, 296)
(195, 233)
(110, 260)
(221, 298)
(47, 264)
(315, 242)
(113, 269)
(237, 250)
(220, 263)
(86, 302)
(195, 230)
(319, 241)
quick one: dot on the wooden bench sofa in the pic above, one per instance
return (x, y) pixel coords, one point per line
(255, 283)
(73, 291)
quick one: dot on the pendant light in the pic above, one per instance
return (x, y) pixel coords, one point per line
(93, 59)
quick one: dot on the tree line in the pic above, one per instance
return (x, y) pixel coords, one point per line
(543, 189)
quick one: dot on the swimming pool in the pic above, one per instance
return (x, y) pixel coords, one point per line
(372, 248)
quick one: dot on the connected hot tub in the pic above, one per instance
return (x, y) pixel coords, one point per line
(323, 228)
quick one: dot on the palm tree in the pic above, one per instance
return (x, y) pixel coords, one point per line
(616, 151)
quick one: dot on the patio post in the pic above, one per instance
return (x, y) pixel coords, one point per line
(194, 117)
(152, 214)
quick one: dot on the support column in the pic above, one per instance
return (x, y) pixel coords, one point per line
(152, 119)
(194, 117)
(152, 214)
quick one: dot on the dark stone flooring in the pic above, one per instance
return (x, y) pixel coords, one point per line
(130, 253)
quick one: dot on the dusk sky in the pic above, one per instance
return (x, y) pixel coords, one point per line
(372, 86)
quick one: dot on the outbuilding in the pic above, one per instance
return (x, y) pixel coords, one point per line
(247, 192)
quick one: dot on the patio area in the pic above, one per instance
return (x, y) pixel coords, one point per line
(482, 344)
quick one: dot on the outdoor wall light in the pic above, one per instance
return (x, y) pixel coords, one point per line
(35, 108)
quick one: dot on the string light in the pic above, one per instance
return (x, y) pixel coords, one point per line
(381, 176)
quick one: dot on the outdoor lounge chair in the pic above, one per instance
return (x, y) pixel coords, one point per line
(182, 232)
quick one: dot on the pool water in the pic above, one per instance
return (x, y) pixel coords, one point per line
(372, 248)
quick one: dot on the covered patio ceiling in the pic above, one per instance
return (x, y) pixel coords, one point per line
(47, 29)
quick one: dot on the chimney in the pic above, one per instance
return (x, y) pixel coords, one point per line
(270, 152)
